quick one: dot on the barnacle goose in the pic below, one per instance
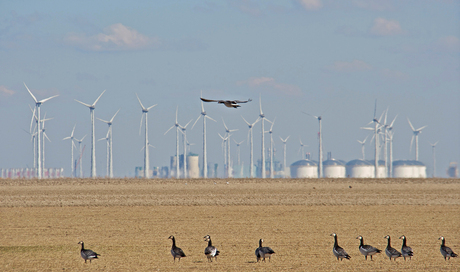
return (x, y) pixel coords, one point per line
(87, 254)
(391, 252)
(210, 251)
(338, 251)
(367, 250)
(175, 251)
(405, 250)
(263, 252)
(446, 251)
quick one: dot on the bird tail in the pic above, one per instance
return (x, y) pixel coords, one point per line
(217, 253)
(454, 254)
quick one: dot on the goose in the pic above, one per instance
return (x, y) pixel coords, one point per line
(210, 251)
(227, 103)
(87, 254)
(405, 250)
(263, 252)
(175, 251)
(446, 251)
(391, 252)
(338, 251)
(367, 250)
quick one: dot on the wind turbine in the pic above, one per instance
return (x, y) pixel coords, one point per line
(433, 146)
(145, 112)
(239, 156)
(205, 158)
(376, 131)
(33, 133)
(284, 151)
(251, 153)
(363, 142)
(38, 103)
(184, 135)
(389, 134)
(107, 139)
(44, 136)
(224, 149)
(301, 149)
(80, 154)
(262, 117)
(320, 151)
(188, 146)
(71, 138)
(416, 133)
(227, 134)
(110, 147)
(272, 172)
(176, 124)
(93, 136)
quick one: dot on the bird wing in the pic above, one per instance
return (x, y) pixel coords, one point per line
(179, 252)
(209, 100)
(240, 101)
(209, 250)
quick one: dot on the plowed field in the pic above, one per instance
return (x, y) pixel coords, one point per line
(128, 222)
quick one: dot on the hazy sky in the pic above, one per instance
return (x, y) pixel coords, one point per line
(323, 57)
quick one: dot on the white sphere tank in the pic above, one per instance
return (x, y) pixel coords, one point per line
(409, 169)
(334, 169)
(304, 169)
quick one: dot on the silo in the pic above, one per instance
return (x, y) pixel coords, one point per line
(409, 169)
(381, 173)
(304, 169)
(192, 165)
(334, 169)
(359, 169)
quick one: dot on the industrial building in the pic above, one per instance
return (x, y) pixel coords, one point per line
(304, 169)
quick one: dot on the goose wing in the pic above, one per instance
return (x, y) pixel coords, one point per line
(340, 252)
(210, 100)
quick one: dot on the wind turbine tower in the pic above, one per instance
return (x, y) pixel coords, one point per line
(38, 103)
(145, 112)
(107, 143)
(227, 134)
(110, 155)
(433, 146)
(416, 133)
(251, 146)
(272, 171)
(284, 151)
(205, 158)
(71, 138)
(176, 124)
(80, 157)
(262, 117)
(93, 136)
(184, 135)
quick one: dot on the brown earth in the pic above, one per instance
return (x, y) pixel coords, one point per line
(128, 222)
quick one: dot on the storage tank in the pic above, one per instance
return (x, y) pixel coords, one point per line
(333, 168)
(359, 169)
(409, 169)
(381, 173)
(304, 169)
(192, 165)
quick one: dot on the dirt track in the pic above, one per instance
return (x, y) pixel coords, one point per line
(128, 223)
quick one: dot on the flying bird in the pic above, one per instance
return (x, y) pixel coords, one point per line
(227, 103)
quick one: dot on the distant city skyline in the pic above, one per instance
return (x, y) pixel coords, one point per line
(326, 58)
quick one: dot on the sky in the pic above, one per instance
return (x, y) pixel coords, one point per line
(320, 57)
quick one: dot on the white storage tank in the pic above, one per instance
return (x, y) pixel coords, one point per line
(304, 169)
(333, 168)
(359, 169)
(409, 169)
(381, 173)
(192, 165)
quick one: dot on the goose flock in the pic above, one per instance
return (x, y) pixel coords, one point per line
(266, 252)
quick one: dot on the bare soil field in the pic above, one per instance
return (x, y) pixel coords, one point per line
(128, 222)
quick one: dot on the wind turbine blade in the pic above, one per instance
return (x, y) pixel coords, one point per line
(94, 104)
(202, 107)
(366, 128)
(206, 116)
(82, 138)
(385, 119)
(35, 99)
(245, 121)
(392, 122)
(288, 137)
(111, 120)
(196, 121)
(142, 106)
(46, 99)
(46, 136)
(225, 126)
(260, 104)
(375, 108)
(32, 119)
(177, 109)
(102, 120)
(71, 134)
(422, 128)
(140, 126)
(73, 145)
(271, 128)
(380, 118)
(84, 104)
(411, 126)
(151, 107)
(168, 130)
(411, 142)
(188, 123)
